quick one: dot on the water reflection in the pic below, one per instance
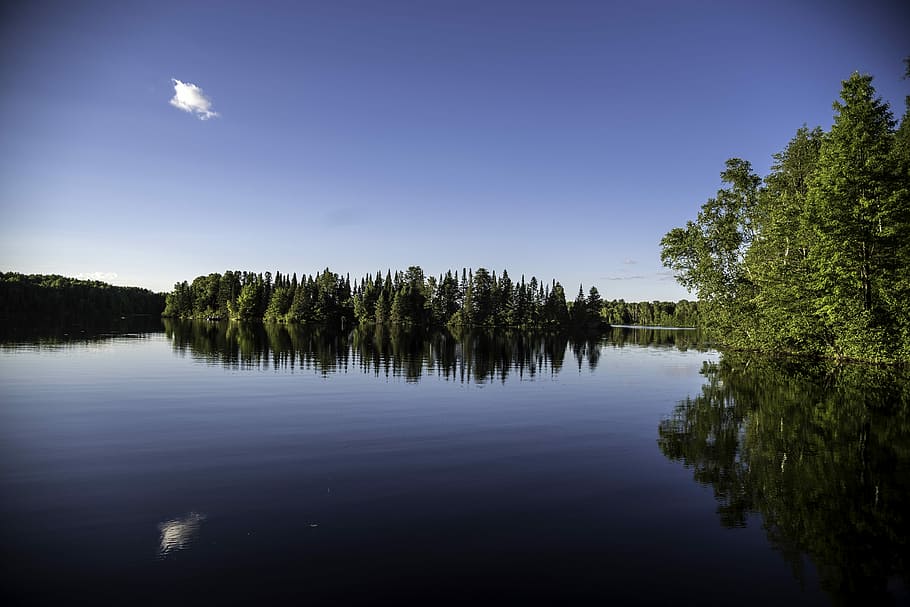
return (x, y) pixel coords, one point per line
(466, 356)
(822, 454)
(56, 336)
(179, 533)
(681, 339)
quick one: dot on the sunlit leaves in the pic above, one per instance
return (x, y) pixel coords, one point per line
(816, 259)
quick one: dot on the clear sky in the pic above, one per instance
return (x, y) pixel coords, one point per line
(148, 143)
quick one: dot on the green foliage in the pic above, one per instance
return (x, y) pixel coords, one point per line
(779, 259)
(279, 304)
(39, 298)
(247, 305)
(325, 299)
(859, 221)
(816, 259)
(708, 254)
(479, 300)
(683, 313)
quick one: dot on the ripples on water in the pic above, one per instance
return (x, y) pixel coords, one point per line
(179, 533)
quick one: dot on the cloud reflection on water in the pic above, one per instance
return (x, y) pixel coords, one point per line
(178, 533)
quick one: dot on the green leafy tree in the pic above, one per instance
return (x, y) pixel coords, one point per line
(779, 260)
(248, 302)
(708, 254)
(860, 223)
(279, 304)
(179, 302)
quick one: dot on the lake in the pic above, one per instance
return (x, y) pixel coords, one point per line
(182, 463)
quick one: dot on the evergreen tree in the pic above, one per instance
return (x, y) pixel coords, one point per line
(779, 260)
(859, 222)
(505, 306)
(594, 305)
(579, 312)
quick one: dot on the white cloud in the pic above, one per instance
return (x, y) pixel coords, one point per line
(189, 98)
(624, 277)
(630, 262)
(102, 276)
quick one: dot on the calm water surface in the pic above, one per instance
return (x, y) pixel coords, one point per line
(229, 463)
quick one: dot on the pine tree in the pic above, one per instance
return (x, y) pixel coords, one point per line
(859, 223)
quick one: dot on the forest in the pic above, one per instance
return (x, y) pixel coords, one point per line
(814, 258)
(41, 298)
(478, 298)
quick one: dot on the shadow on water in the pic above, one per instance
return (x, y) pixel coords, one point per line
(821, 453)
(466, 356)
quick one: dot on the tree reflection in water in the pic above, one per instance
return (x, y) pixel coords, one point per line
(821, 453)
(473, 356)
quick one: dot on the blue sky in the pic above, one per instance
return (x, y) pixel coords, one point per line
(559, 139)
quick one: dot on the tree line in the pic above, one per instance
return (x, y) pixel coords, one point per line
(815, 257)
(41, 298)
(478, 298)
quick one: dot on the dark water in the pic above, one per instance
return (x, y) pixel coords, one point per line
(239, 464)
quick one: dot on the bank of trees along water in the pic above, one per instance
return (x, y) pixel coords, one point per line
(815, 257)
(476, 298)
(40, 298)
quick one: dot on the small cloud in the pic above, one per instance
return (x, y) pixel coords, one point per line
(102, 276)
(666, 275)
(189, 98)
(629, 262)
(628, 277)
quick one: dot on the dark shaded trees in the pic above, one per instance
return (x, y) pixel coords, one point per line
(39, 298)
